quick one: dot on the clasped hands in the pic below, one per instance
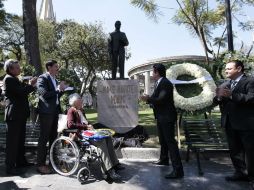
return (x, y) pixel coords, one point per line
(223, 92)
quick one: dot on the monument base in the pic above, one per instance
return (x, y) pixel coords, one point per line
(117, 104)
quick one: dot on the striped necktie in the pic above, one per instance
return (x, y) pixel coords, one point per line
(232, 84)
(155, 85)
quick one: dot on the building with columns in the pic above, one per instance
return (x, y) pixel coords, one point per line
(143, 72)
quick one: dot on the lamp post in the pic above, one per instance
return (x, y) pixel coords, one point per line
(229, 26)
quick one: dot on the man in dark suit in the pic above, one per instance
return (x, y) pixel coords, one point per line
(236, 100)
(48, 107)
(16, 114)
(116, 47)
(166, 116)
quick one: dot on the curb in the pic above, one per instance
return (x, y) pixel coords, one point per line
(138, 153)
(154, 153)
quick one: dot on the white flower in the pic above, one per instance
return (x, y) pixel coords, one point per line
(201, 101)
(249, 68)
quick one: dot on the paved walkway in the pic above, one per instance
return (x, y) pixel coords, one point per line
(139, 174)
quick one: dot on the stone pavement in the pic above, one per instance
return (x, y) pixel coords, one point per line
(140, 174)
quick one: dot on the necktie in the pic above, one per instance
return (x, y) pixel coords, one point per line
(155, 85)
(233, 84)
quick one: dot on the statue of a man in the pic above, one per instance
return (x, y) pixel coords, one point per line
(116, 46)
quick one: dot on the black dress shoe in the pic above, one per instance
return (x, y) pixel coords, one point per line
(111, 176)
(237, 177)
(107, 178)
(175, 175)
(119, 167)
(161, 162)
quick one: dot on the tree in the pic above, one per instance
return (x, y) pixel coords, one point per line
(81, 48)
(12, 36)
(48, 40)
(88, 45)
(31, 35)
(200, 20)
(3, 14)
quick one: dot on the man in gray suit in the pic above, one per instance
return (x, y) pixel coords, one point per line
(49, 107)
(116, 47)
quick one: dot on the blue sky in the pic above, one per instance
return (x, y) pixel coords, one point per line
(148, 40)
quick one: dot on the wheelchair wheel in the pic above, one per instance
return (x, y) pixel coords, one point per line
(83, 174)
(64, 156)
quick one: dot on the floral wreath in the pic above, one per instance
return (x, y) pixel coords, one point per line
(249, 68)
(203, 77)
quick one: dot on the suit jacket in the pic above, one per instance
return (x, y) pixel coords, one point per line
(162, 101)
(239, 110)
(16, 98)
(48, 95)
(117, 42)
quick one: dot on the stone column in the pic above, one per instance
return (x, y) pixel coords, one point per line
(147, 82)
(135, 77)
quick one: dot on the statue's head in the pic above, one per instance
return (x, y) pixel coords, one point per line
(118, 25)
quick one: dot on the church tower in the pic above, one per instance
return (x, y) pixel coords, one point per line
(46, 11)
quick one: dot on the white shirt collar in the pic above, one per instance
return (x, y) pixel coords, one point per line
(238, 78)
(158, 81)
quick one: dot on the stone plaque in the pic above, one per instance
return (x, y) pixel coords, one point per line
(117, 104)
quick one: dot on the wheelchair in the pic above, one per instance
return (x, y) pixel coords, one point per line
(68, 156)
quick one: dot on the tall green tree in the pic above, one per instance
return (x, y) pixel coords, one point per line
(81, 48)
(87, 45)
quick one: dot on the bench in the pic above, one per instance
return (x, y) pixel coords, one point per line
(32, 136)
(201, 136)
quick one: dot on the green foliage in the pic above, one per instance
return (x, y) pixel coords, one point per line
(148, 6)
(202, 18)
(27, 70)
(143, 105)
(70, 77)
(33, 99)
(3, 14)
(81, 48)
(64, 100)
(197, 16)
(12, 36)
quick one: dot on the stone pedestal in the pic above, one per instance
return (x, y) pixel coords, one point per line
(117, 104)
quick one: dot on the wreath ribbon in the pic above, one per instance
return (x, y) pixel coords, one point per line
(198, 80)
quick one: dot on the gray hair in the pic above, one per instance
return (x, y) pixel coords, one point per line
(9, 64)
(73, 98)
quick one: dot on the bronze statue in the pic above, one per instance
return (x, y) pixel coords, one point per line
(116, 46)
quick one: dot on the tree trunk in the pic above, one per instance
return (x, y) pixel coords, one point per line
(31, 35)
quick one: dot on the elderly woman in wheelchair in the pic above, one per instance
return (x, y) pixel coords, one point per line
(105, 151)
